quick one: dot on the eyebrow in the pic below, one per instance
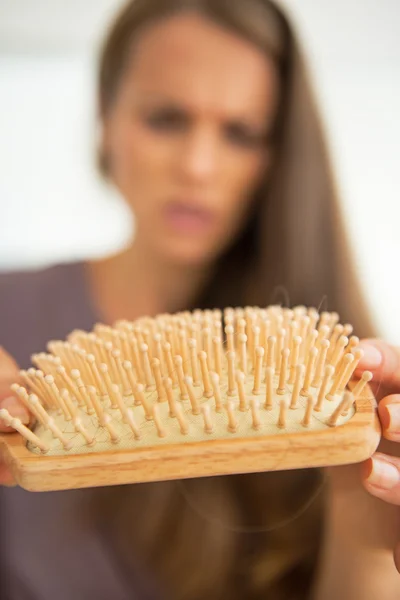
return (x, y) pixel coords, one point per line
(177, 104)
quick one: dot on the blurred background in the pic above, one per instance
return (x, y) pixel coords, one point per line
(48, 180)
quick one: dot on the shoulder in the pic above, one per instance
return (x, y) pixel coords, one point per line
(40, 305)
(22, 288)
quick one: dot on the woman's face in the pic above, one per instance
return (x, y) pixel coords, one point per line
(186, 136)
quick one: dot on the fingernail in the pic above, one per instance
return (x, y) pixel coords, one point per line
(15, 409)
(383, 475)
(371, 358)
(394, 417)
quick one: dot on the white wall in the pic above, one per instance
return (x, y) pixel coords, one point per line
(48, 185)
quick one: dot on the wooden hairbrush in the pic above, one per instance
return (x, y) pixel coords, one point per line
(193, 394)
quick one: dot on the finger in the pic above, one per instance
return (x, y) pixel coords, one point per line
(5, 477)
(8, 367)
(389, 416)
(381, 477)
(9, 374)
(383, 360)
(397, 557)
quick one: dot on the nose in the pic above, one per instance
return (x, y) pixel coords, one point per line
(198, 161)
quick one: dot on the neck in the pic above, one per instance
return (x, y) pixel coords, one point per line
(135, 283)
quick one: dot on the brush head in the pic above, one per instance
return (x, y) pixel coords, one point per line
(245, 378)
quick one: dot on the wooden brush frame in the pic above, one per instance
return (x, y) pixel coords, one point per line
(352, 442)
(349, 442)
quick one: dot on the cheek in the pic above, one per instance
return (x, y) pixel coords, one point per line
(241, 178)
(138, 163)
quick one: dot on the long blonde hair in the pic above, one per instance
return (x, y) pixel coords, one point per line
(252, 536)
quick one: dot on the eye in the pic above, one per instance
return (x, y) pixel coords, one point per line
(243, 135)
(167, 119)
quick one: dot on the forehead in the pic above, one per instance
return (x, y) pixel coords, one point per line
(193, 61)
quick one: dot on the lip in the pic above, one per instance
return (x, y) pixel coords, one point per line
(188, 217)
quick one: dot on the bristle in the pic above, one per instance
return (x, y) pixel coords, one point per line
(313, 316)
(217, 354)
(229, 332)
(161, 432)
(337, 333)
(265, 331)
(292, 332)
(35, 407)
(24, 431)
(328, 374)
(255, 414)
(82, 392)
(282, 414)
(296, 343)
(347, 329)
(158, 353)
(351, 346)
(319, 369)
(207, 389)
(48, 421)
(127, 366)
(112, 432)
(349, 369)
(324, 320)
(269, 378)
(242, 349)
(183, 424)
(259, 359)
(96, 404)
(338, 351)
(156, 367)
(340, 376)
(58, 401)
(217, 391)
(170, 396)
(103, 369)
(143, 400)
(231, 356)
(208, 424)
(279, 348)
(170, 365)
(183, 344)
(283, 372)
(309, 344)
(192, 396)
(240, 380)
(303, 331)
(271, 352)
(323, 333)
(345, 404)
(146, 367)
(232, 421)
(359, 387)
(254, 345)
(309, 371)
(207, 346)
(308, 412)
(194, 362)
(179, 371)
(137, 365)
(300, 371)
(100, 384)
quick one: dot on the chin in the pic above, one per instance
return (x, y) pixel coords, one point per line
(189, 254)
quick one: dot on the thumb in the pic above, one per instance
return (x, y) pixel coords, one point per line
(9, 374)
(383, 360)
(9, 369)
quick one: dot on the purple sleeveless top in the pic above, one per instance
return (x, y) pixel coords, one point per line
(42, 555)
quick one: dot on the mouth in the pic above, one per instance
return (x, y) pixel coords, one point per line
(184, 217)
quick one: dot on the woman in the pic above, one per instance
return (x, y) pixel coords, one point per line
(211, 135)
